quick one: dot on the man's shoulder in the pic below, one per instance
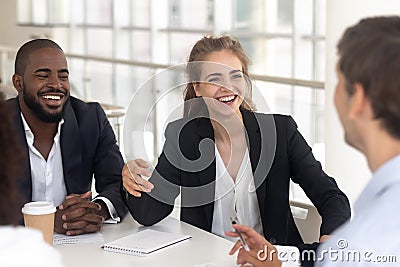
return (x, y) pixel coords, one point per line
(78, 104)
(368, 224)
(360, 242)
(83, 109)
(83, 114)
(12, 102)
(13, 110)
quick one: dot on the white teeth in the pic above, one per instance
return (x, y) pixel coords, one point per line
(52, 97)
(226, 98)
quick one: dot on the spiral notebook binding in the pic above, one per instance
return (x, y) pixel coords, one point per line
(129, 251)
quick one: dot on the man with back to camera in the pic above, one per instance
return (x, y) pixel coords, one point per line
(66, 142)
(367, 100)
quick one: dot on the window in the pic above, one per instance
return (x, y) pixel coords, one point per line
(127, 41)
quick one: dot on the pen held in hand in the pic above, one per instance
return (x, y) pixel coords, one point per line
(242, 240)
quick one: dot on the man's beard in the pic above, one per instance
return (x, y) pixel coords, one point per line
(38, 110)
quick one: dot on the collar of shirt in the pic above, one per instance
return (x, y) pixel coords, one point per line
(383, 178)
(29, 134)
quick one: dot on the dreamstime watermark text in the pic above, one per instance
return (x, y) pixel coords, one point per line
(340, 253)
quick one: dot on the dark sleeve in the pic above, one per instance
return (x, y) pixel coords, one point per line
(331, 203)
(108, 164)
(307, 253)
(152, 207)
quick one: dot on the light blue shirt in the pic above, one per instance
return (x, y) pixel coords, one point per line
(372, 238)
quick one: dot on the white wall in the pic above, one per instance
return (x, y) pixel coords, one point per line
(347, 165)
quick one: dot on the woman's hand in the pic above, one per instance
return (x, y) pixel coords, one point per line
(261, 254)
(132, 177)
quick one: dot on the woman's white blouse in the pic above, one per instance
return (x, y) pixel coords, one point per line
(235, 198)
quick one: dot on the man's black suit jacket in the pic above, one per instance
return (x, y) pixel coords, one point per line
(88, 149)
(273, 166)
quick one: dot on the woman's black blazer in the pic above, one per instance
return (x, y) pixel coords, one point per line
(278, 153)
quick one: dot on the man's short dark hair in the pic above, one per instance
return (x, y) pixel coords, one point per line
(26, 49)
(370, 55)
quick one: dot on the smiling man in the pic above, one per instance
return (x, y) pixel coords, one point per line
(67, 143)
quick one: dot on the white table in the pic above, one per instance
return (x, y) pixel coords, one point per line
(202, 248)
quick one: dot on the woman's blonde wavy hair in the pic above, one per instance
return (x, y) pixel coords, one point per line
(200, 50)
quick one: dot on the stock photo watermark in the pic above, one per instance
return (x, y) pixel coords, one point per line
(340, 253)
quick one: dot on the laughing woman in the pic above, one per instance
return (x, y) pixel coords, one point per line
(228, 161)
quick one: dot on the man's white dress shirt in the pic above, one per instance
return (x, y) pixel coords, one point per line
(47, 175)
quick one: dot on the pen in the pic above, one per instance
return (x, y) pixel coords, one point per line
(244, 244)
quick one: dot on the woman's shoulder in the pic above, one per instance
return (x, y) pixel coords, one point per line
(280, 120)
(275, 116)
(187, 124)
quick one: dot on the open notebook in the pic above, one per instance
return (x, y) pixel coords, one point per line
(143, 243)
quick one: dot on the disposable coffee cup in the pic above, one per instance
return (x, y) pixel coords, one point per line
(40, 215)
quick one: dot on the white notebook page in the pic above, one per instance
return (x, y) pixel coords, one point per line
(144, 242)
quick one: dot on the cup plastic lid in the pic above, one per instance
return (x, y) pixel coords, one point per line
(39, 208)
